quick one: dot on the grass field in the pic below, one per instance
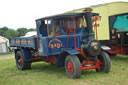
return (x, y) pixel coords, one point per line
(46, 74)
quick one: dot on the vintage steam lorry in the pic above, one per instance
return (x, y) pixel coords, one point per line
(63, 40)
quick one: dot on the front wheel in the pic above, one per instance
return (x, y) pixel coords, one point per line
(105, 63)
(20, 63)
(72, 66)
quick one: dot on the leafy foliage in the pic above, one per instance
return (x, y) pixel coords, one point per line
(10, 33)
(22, 31)
(3, 30)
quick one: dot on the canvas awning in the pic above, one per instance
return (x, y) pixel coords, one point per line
(121, 23)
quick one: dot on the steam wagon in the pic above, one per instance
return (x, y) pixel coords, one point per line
(118, 43)
(63, 40)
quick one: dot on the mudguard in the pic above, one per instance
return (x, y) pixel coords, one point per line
(60, 60)
(71, 51)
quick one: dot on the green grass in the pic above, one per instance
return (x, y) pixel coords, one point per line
(7, 55)
(46, 74)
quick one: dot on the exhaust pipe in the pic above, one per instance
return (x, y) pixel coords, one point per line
(91, 34)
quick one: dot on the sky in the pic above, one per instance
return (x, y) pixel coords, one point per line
(23, 13)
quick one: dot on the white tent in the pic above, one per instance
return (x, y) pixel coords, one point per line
(4, 44)
(30, 34)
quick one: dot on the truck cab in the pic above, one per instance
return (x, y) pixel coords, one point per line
(56, 34)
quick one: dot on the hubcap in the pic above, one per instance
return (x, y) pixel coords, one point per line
(70, 67)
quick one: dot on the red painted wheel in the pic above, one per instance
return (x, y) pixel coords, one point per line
(72, 66)
(101, 65)
(20, 60)
(105, 63)
(20, 63)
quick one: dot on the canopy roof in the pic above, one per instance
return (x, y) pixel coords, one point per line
(67, 15)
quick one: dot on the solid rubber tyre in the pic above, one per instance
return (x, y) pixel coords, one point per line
(104, 57)
(76, 66)
(20, 63)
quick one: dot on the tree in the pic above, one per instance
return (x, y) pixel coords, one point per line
(3, 30)
(22, 31)
(10, 33)
(31, 29)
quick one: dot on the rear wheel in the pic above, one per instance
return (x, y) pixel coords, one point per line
(72, 66)
(105, 63)
(20, 63)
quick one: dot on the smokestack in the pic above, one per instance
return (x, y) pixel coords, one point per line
(91, 34)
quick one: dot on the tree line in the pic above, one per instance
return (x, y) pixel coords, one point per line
(10, 33)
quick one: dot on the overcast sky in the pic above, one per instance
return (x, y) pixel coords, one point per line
(22, 13)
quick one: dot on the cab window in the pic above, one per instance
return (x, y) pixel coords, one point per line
(59, 27)
(50, 28)
(81, 22)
